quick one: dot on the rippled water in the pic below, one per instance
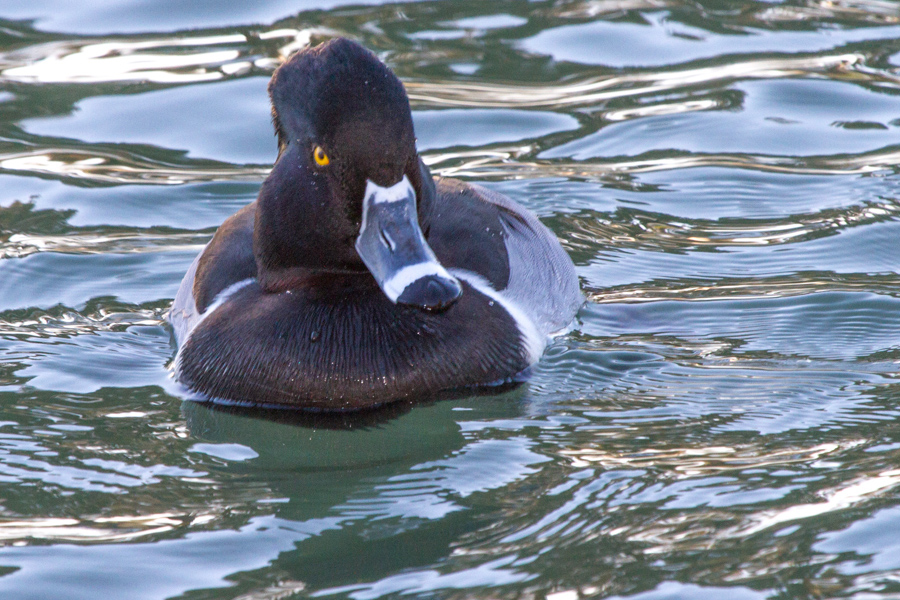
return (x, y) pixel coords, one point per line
(722, 422)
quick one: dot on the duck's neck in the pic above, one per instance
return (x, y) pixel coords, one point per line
(298, 229)
(302, 235)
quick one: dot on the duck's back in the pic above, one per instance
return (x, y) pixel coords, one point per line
(482, 232)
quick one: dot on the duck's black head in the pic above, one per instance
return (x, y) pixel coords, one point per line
(344, 191)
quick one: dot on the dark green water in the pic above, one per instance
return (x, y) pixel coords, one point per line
(722, 422)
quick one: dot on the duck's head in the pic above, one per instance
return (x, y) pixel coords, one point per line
(348, 187)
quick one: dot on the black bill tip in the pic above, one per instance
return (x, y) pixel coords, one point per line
(432, 293)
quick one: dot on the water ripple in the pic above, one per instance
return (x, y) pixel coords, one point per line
(64, 322)
(825, 254)
(881, 12)
(172, 60)
(681, 463)
(500, 163)
(631, 229)
(834, 325)
(800, 284)
(594, 91)
(101, 529)
(19, 245)
(100, 166)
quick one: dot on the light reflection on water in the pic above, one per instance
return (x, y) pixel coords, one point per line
(719, 422)
(593, 92)
(109, 168)
(178, 60)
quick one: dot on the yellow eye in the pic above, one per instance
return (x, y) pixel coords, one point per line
(320, 157)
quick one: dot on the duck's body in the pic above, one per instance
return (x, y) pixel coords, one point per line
(362, 281)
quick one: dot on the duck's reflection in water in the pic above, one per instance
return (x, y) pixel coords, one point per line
(418, 429)
(367, 477)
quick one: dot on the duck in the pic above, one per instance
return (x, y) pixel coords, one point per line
(356, 278)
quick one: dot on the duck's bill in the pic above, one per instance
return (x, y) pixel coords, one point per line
(394, 250)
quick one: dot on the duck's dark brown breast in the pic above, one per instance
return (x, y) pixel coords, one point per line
(346, 347)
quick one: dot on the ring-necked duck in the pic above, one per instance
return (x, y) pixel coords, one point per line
(356, 279)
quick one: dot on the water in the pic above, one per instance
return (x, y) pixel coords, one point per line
(721, 422)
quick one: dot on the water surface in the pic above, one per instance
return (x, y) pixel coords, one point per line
(721, 421)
